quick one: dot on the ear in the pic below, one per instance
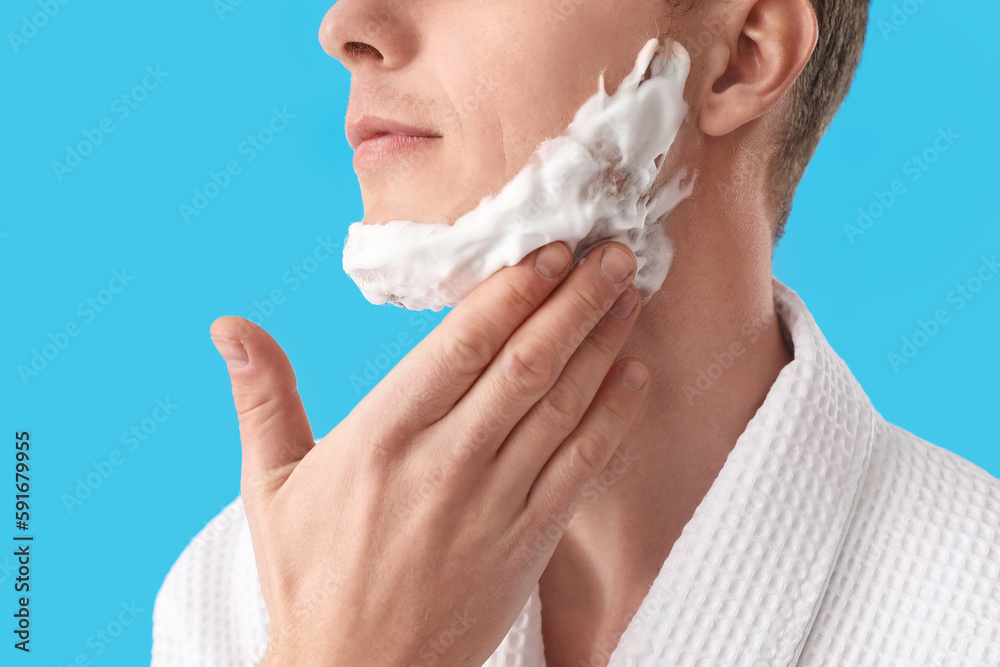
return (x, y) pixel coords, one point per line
(754, 60)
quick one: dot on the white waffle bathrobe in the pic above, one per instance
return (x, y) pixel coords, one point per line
(830, 537)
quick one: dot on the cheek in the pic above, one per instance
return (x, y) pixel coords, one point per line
(541, 92)
(498, 138)
(504, 102)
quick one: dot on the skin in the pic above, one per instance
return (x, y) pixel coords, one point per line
(488, 432)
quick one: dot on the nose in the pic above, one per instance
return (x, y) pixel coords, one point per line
(376, 32)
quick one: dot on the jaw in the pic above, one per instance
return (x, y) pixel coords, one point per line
(599, 181)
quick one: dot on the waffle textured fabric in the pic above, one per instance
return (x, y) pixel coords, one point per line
(830, 537)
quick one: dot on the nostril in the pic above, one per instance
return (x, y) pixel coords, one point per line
(355, 49)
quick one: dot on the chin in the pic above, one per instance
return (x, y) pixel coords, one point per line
(425, 209)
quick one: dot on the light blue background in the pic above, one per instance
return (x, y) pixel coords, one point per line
(62, 241)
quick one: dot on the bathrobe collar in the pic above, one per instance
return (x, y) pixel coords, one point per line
(744, 580)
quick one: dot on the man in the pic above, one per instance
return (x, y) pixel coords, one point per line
(701, 482)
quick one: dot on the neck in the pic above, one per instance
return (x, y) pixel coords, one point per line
(714, 347)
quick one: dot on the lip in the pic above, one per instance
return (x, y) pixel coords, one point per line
(386, 146)
(367, 128)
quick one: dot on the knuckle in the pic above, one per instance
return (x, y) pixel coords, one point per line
(530, 368)
(605, 343)
(618, 416)
(588, 304)
(561, 407)
(516, 298)
(257, 412)
(466, 350)
(589, 454)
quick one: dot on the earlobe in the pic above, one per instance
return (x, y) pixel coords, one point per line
(752, 66)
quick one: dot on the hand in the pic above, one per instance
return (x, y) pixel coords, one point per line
(410, 533)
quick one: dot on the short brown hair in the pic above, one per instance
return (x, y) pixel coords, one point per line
(816, 95)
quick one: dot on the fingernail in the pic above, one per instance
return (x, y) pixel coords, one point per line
(552, 260)
(624, 306)
(615, 264)
(633, 375)
(232, 351)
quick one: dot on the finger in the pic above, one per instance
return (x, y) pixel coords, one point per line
(274, 430)
(426, 383)
(584, 454)
(536, 354)
(534, 439)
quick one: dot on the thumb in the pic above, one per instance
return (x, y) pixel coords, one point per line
(274, 430)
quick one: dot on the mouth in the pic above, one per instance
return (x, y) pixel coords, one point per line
(387, 146)
(376, 139)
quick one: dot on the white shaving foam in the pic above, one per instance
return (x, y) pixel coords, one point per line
(590, 185)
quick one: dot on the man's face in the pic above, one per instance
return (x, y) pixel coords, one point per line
(490, 78)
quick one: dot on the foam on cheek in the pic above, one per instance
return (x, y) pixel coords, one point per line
(592, 184)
